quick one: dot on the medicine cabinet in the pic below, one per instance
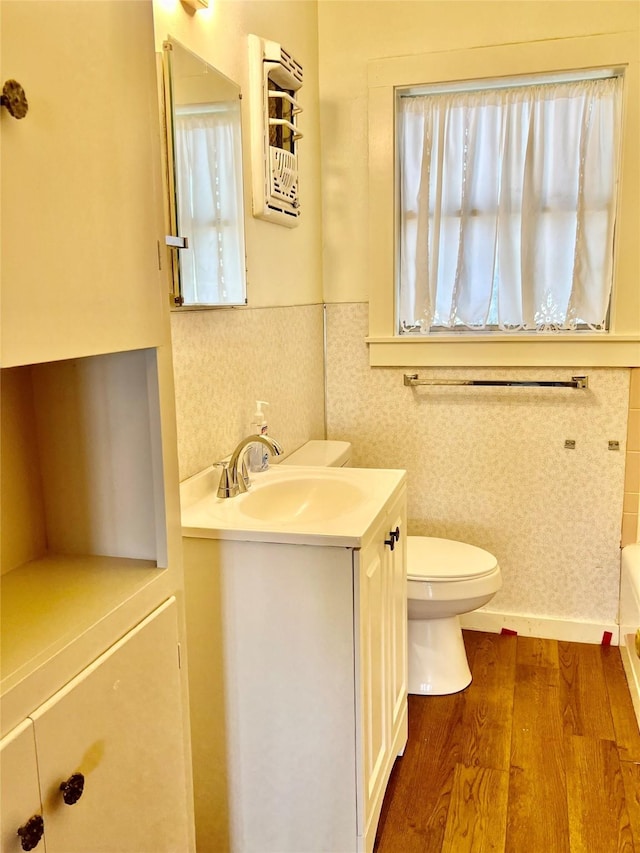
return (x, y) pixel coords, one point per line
(205, 182)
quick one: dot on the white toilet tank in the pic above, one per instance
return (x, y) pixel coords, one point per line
(326, 454)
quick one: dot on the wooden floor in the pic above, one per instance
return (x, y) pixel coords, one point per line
(540, 754)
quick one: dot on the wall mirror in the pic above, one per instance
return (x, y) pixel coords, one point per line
(204, 165)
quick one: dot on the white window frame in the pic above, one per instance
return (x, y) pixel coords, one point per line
(617, 347)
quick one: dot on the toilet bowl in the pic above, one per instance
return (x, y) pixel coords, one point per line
(445, 578)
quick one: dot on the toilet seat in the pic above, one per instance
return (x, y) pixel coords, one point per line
(433, 559)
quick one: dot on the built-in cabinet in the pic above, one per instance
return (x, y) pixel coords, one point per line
(298, 686)
(90, 680)
(87, 771)
(81, 210)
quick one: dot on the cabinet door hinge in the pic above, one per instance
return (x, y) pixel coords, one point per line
(159, 255)
(179, 657)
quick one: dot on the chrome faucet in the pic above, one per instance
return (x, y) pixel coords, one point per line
(233, 483)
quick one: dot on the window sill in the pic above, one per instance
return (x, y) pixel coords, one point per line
(506, 351)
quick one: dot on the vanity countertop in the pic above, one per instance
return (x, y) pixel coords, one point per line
(292, 505)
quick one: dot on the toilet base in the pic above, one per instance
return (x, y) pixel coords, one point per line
(437, 657)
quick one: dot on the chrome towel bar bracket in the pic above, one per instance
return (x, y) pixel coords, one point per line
(412, 379)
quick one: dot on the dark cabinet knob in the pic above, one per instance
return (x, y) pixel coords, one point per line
(14, 99)
(72, 789)
(31, 833)
(394, 536)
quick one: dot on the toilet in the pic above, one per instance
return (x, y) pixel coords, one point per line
(445, 579)
(328, 454)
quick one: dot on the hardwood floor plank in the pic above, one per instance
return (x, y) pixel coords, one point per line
(472, 639)
(415, 817)
(477, 816)
(631, 779)
(537, 815)
(569, 789)
(489, 705)
(625, 723)
(534, 651)
(598, 815)
(582, 687)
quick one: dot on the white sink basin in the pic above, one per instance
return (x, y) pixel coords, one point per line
(304, 499)
(290, 504)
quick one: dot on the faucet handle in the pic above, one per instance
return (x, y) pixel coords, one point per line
(226, 488)
(244, 480)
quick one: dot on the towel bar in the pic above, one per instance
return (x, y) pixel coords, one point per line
(412, 380)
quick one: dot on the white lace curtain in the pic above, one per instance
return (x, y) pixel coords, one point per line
(208, 155)
(507, 206)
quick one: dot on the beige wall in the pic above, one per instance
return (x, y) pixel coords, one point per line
(351, 33)
(631, 516)
(283, 265)
(488, 468)
(225, 359)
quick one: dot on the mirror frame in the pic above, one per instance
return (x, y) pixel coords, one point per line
(174, 242)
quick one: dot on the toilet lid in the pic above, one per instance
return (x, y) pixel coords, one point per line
(429, 558)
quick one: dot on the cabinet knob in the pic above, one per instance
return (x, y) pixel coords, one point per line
(31, 833)
(72, 789)
(394, 536)
(14, 99)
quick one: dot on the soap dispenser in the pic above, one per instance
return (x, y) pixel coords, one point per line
(258, 453)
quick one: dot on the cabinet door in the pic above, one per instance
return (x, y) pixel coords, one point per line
(20, 795)
(374, 710)
(118, 724)
(397, 604)
(81, 203)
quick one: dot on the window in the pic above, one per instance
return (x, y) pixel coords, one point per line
(507, 202)
(208, 163)
(588, 325)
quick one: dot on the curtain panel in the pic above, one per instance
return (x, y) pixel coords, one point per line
(209, 206)
(507, 204)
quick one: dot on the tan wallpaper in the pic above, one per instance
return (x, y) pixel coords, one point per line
(631, 516)
(226, 359)
(489, 467)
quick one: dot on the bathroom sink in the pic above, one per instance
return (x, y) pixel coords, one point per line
(305, 499)
(290, 504)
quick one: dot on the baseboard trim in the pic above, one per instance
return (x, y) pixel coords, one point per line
(535, 626)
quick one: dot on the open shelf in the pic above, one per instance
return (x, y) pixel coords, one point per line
(84, 545)
(49, 602)
(59, 613)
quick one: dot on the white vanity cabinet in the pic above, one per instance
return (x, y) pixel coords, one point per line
(297, 670)
(382, 624)
(104, 736)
